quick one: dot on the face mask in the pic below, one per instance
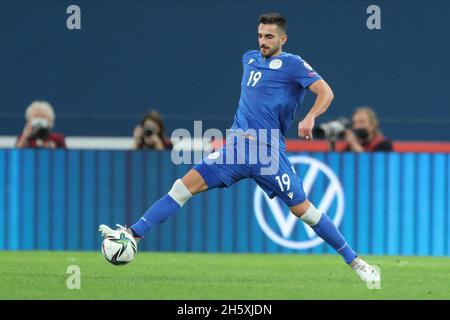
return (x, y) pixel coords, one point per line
(362, 134)
(39, 122)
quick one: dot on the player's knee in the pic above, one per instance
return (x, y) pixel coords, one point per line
(300, 209)
(180, 192)
(312, 215)
(194, 181)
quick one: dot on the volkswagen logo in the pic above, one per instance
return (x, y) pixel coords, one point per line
(282, 230)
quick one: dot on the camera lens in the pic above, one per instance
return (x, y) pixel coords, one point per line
(319, 133)
(42, 134)
(148, 132)
(332, 130)
(362, 134)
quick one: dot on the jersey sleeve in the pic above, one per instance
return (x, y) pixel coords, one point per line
(247, 54)
(303, 74)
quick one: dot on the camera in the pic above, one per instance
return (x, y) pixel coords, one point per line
(332, 130)
(40, 129)
(148, 132)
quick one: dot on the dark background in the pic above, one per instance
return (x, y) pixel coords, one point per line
(183, 58)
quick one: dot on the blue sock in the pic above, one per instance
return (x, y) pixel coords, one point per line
(326, 229)
(159, 212)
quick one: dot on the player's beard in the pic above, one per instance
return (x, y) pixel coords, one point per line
(269, 52)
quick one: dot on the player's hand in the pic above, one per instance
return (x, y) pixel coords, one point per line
(305, 128)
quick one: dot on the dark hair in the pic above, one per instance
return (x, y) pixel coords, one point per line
(274, 18)
(156, 117)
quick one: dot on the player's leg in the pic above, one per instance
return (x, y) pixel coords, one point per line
(286, 184)
(194, 182)
(166, 206)
(202, 177)
(324, 227)
(182, 190)
(295, 198)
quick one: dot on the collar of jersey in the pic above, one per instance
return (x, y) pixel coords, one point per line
(261, 58)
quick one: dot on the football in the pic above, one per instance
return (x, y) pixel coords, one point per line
(119, 248)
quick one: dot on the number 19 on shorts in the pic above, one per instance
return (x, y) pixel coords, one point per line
(283, 182)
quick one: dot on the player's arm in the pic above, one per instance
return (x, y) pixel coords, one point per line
(324, 96)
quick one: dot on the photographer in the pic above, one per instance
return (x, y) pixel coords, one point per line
(365, 134)
(362, 134)
(37, 133)
(149, 134)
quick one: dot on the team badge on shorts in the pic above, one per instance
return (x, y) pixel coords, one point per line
(275, 64)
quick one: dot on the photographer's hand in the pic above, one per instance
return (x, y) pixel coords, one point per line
(353, 142)
(156, 142)
(138, 133)
(26, 134)
(49, 144)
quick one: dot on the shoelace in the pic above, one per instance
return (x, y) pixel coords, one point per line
(360, 266)
(120, 227)
(369, 269)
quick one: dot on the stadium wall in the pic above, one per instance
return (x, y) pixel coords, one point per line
(395, 204)
(184, 58)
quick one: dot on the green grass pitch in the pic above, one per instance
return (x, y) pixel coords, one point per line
(42, 275)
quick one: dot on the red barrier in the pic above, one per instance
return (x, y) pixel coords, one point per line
(298, 145)
(399, 146)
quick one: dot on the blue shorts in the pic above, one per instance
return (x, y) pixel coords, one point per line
(234, 162)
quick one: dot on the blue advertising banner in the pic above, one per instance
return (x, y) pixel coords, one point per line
(384, 203)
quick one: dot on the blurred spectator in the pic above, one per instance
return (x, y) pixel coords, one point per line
(149, 133)
(37, 133)
(365, 134)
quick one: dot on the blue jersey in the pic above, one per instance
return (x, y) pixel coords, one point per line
(271, 91)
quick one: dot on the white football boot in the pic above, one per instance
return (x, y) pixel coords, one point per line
(107, 231)
(365, 271)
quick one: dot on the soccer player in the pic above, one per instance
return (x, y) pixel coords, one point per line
(273, 86)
